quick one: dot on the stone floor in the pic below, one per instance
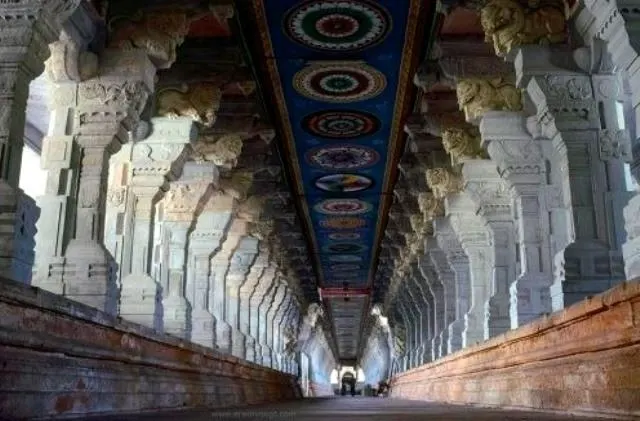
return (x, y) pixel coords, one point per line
(347, 408)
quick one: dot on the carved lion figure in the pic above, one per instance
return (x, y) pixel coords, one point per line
(223, 153)
(199, 101)
(477, 96)
(507, 24)
(443, 182)
(462, 143)
(430, 206)
(251, 209)
(158, 33)
(238, 185)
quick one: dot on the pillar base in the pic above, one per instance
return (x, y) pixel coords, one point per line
(89, 276)
(454, 342)
(249, 345)
(203, 328)
(18, 217)
(473, 331)
(223, 336)
(631, 248)
(238, 344)
(497, 320)
(530, 299)
(177, 312)
(141, 301)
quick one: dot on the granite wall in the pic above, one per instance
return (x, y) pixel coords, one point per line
(59, 358)
(584, 359)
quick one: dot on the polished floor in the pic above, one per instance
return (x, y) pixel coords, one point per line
(348, 408)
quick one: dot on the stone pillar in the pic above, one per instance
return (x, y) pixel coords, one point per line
(476, 242)
(247, 324)
(445, 274)
(422, 299)
(154, 162)
(459, 263)
(241, 263)
(256, 330)
(220, 263)
(278, 298)
(577, 110)
(26, 32)
(436, 293)
(489, 193)
(520, 160)
(179, 212)
(616, 23)
(107, 115)
(204, 241)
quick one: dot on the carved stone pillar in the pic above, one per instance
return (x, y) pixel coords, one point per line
(520, 160)
(263, 351)
(181, 208)
(280, 292)
(241, 263)
(420, 304)
(247, 290)
(433, 292)
(616, 22)
(278, 319)
(578, 112)
(204, 241)
(459, 263)
(107, 114)
(493, 204)
(256, 298)
(220, 263)
(154, 162)
(27, 29)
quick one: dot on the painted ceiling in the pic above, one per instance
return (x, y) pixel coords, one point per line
(340, 72)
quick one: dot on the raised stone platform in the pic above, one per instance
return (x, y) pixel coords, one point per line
(584, 359)
(60, 358)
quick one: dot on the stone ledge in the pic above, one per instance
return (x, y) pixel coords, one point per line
(61, 358)
(578, 359)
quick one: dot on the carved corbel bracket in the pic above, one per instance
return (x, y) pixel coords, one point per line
(477, 96)
(443, 181)
(508, 24)
(200, 101)
(223, 152)
(68, 63)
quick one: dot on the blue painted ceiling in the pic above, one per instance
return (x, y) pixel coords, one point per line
(341, 71)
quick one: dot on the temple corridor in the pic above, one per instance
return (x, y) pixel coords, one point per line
(218, 204)
(351, 409)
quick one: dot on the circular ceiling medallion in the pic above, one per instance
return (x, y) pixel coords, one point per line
(343, 223)
(339, 82)
(343, 183)
(345, 258)
(343, 207)
(345, 267)
(341, 124)
(345, 248)
(337, 25)
(342, 236)
(343, 157)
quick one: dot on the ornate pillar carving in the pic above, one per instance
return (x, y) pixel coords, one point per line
(153, 163)
(427, 305)
(256, 329)
(520, 161)
(459, 263)
(247, 290)
(26, 32)
(240, 265)
(616, 23)
(493, 204)
(476, 242)
(578, 112)
(179, 212)
(209, 232)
